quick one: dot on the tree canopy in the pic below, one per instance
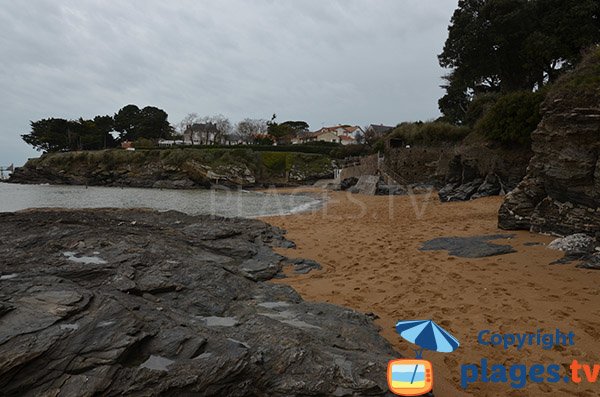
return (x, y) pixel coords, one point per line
(248, 130)
(134, 123)
(511, 45)
(287, 130)
(57, 134)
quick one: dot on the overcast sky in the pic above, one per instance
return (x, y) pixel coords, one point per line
(322, 61)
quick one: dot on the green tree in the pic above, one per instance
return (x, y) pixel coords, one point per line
(105, 125)
(150, 122)
(93, 134)
(126, 122)
(54, 134)
(153, 124)
(297, 126)
(510, 45)
(287, 130)
(48, 135)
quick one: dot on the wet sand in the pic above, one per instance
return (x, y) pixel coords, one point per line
(369, 249)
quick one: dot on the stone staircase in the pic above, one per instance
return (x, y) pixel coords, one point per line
(369, 175)
(367, 184)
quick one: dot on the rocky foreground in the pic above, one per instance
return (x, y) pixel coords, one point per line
(141, 303)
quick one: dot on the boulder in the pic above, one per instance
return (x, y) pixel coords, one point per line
(470, 247)
(465, 181)
(575, 244)
(302, 266)
(348, 183)
(577, 247)
(491, 186)
(143, 303)
(390, 190)
(460, 191)
(592, 262)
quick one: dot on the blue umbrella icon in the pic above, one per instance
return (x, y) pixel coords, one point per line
(427, 335)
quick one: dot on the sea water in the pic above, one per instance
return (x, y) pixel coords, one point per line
(230, 203)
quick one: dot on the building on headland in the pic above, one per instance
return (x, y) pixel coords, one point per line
(127, 145)
(170, 142)
(202, 134)
(378, 130)
(344, 134)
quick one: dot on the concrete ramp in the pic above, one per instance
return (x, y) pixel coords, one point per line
(367, 184)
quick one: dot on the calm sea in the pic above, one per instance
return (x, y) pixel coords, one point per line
(15, 197)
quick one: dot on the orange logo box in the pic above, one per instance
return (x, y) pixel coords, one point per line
(410, 377)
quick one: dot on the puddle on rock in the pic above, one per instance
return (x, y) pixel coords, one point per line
(88, 260)
(157, 363)
(273, 305)
(213, 321)
(70, 327)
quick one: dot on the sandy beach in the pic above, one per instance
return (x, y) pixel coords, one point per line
(369, 249)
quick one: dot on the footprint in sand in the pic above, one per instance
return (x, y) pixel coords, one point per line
(590, 328)
(560, 314)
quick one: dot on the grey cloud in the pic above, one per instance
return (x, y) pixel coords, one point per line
(355, 61)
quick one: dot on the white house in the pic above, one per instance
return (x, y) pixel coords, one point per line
(201, 134)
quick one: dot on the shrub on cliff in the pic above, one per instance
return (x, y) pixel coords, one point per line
(580, 88)
(512, 119)
(144, 143)
(429, 133)
(341, 152)
(479, 106)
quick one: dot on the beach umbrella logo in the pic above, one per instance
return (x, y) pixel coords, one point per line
(414, 377)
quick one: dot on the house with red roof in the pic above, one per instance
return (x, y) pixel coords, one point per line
(344, 134)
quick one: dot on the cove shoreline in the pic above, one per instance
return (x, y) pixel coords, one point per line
(369, 248)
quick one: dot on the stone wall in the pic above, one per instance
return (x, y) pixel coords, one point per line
(420, 164)
(366, 166)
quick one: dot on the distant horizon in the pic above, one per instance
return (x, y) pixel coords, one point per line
(340, 62)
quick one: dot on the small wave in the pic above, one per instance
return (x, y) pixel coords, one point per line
(306, 207)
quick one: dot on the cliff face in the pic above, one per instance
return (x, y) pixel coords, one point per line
(561, 191)
(478, 169)
(174, 168)
(472, 169)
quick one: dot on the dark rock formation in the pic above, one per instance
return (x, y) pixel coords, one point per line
(467, 179)
(592, 262)
(575, 244)
(561, 191)
(390, 190)
(141, 303)
(181, 168)
(470, 247)
(348, 183)
(577, 247)
(474, 168)
(302, 266)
